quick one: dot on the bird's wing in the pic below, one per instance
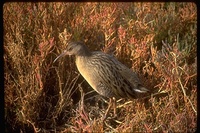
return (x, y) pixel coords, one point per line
(131, 77)
(122, 81)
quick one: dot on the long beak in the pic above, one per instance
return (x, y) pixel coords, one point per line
(61, 55)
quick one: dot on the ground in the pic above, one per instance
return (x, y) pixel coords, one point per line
(156, 40)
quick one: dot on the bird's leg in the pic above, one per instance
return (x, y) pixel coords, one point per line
(108, 109)
(112, 103)
(114, 106)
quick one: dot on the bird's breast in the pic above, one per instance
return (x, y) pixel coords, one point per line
(87, 71)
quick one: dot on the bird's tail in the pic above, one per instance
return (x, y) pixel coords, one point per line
(141, 89)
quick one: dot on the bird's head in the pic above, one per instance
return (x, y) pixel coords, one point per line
(75, 48)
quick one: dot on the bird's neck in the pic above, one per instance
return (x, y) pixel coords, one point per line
(84, 52)
(81, 60)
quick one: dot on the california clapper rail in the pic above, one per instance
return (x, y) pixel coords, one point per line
(105, 74)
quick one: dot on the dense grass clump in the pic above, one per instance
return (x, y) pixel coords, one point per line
(157, 40)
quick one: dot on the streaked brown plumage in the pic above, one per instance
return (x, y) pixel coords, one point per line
(104, 73)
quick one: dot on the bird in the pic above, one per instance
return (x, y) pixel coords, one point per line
(105, 74)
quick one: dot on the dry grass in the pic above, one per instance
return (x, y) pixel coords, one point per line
(157, 40)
